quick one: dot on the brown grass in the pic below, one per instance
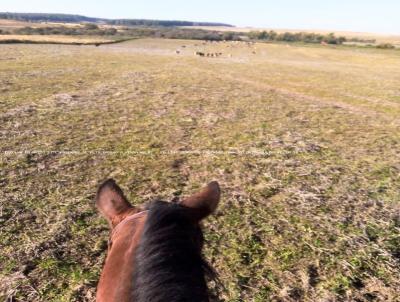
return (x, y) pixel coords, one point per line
(303, 139)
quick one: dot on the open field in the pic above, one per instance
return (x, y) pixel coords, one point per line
(14, 24)
(304, 140)
(10, 24)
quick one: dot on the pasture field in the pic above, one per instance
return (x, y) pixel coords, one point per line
(304, 140)
(8, 24)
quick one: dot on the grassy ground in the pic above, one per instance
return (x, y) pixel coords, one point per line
(14, 24)
(305, 142)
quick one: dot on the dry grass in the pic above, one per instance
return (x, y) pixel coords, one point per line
(11, 24)
(307, 142)
(14, 24)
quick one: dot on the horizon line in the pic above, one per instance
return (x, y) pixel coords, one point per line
(222, 24)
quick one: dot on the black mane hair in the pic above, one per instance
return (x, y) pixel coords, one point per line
(169, 266)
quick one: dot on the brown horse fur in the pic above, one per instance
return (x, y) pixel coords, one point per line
(127, 224)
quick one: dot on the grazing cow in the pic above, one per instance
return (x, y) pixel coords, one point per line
(199, 53)
(177, 52)
(155, 252)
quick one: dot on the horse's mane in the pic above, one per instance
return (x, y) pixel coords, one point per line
(169, 266)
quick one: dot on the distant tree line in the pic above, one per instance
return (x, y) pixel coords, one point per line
(157, 23)
(386, 46)
(296, 37)
(66, 18)
(91, 29)
(39, 17)
(88, 29)
(184, 33)
(360, 40)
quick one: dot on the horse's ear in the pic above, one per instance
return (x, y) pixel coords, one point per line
(204, 202)
(110, 200)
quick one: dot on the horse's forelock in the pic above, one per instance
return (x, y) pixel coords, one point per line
(168, 264)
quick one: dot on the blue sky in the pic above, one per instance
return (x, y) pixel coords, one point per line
(355, 15)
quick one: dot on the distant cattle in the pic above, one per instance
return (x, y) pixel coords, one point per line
(177, 52)
(214, 54)
(208, 54)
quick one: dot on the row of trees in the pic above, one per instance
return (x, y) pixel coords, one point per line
(39, 17)
(296, 37)
(157, 23)
(184, 33)
(386, 46)
(67, 18)
(88, 29)
(360, 40)
(91, 29)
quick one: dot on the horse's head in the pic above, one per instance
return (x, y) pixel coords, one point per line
(154, 253)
